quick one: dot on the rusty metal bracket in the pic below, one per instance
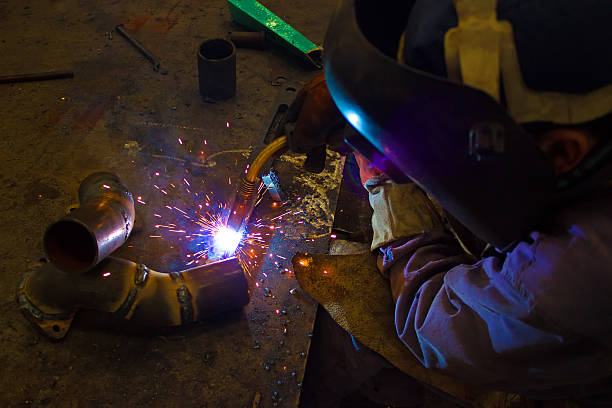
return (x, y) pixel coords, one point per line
(254, 16)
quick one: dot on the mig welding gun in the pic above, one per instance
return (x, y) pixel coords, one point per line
(310, 122)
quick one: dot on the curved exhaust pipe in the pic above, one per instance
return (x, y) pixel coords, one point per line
(50, 297)
(101, 224)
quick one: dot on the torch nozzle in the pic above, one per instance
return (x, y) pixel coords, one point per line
(245, 197)
(243, 204)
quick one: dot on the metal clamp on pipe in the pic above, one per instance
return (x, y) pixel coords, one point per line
(101, 224)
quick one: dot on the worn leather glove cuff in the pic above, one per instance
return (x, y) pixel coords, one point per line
(400, 211)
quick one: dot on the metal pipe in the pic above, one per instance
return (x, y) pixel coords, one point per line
(217, 69)
(141, 48)
(50, 297)
(35, 76)
(101, 224)
(248, 39)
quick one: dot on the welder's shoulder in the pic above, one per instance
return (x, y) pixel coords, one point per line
(567, 273)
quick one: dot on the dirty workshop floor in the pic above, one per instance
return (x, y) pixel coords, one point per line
(165, 143)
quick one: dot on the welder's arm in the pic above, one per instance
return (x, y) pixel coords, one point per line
(468, 318)
(313, 119)
(400, 210)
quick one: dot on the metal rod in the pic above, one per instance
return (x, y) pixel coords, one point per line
(141, 48)
(35, 76)
(248, 39)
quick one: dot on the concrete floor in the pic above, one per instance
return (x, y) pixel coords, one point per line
(115, 112)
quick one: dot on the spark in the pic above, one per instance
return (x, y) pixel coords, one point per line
(180, 141)
(106, 186)
(106, 274)
(178, 209)
(199, 227)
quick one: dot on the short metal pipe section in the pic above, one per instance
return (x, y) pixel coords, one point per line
(217, 69)
(50, 297)
(248, 39)
(101, 224)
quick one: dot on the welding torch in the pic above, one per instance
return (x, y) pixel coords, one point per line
(244, 202)
(315, 110)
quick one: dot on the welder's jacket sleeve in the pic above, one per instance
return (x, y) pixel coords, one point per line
(537, 321)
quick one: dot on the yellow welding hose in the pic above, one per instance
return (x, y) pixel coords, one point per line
(263, 156)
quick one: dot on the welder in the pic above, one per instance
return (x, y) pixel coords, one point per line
(484, 138)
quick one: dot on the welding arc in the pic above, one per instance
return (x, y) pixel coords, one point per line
(263, 156)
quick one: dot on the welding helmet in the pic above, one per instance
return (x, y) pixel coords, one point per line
(442, 102)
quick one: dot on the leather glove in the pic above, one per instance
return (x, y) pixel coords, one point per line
(400, 210)
(313, 121)
(366, 169)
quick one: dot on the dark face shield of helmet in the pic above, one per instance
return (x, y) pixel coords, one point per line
(454, 141)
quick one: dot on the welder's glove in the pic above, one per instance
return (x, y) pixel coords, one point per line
(366, 169)
(313, 121)
(400, 210)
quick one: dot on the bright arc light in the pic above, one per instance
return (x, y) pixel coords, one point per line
(226, 241)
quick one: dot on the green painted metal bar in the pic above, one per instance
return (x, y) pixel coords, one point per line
(254, 16)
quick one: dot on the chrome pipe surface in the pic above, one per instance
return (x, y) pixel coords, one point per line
(91, 232)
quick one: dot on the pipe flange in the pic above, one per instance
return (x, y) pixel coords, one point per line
(54, 325)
